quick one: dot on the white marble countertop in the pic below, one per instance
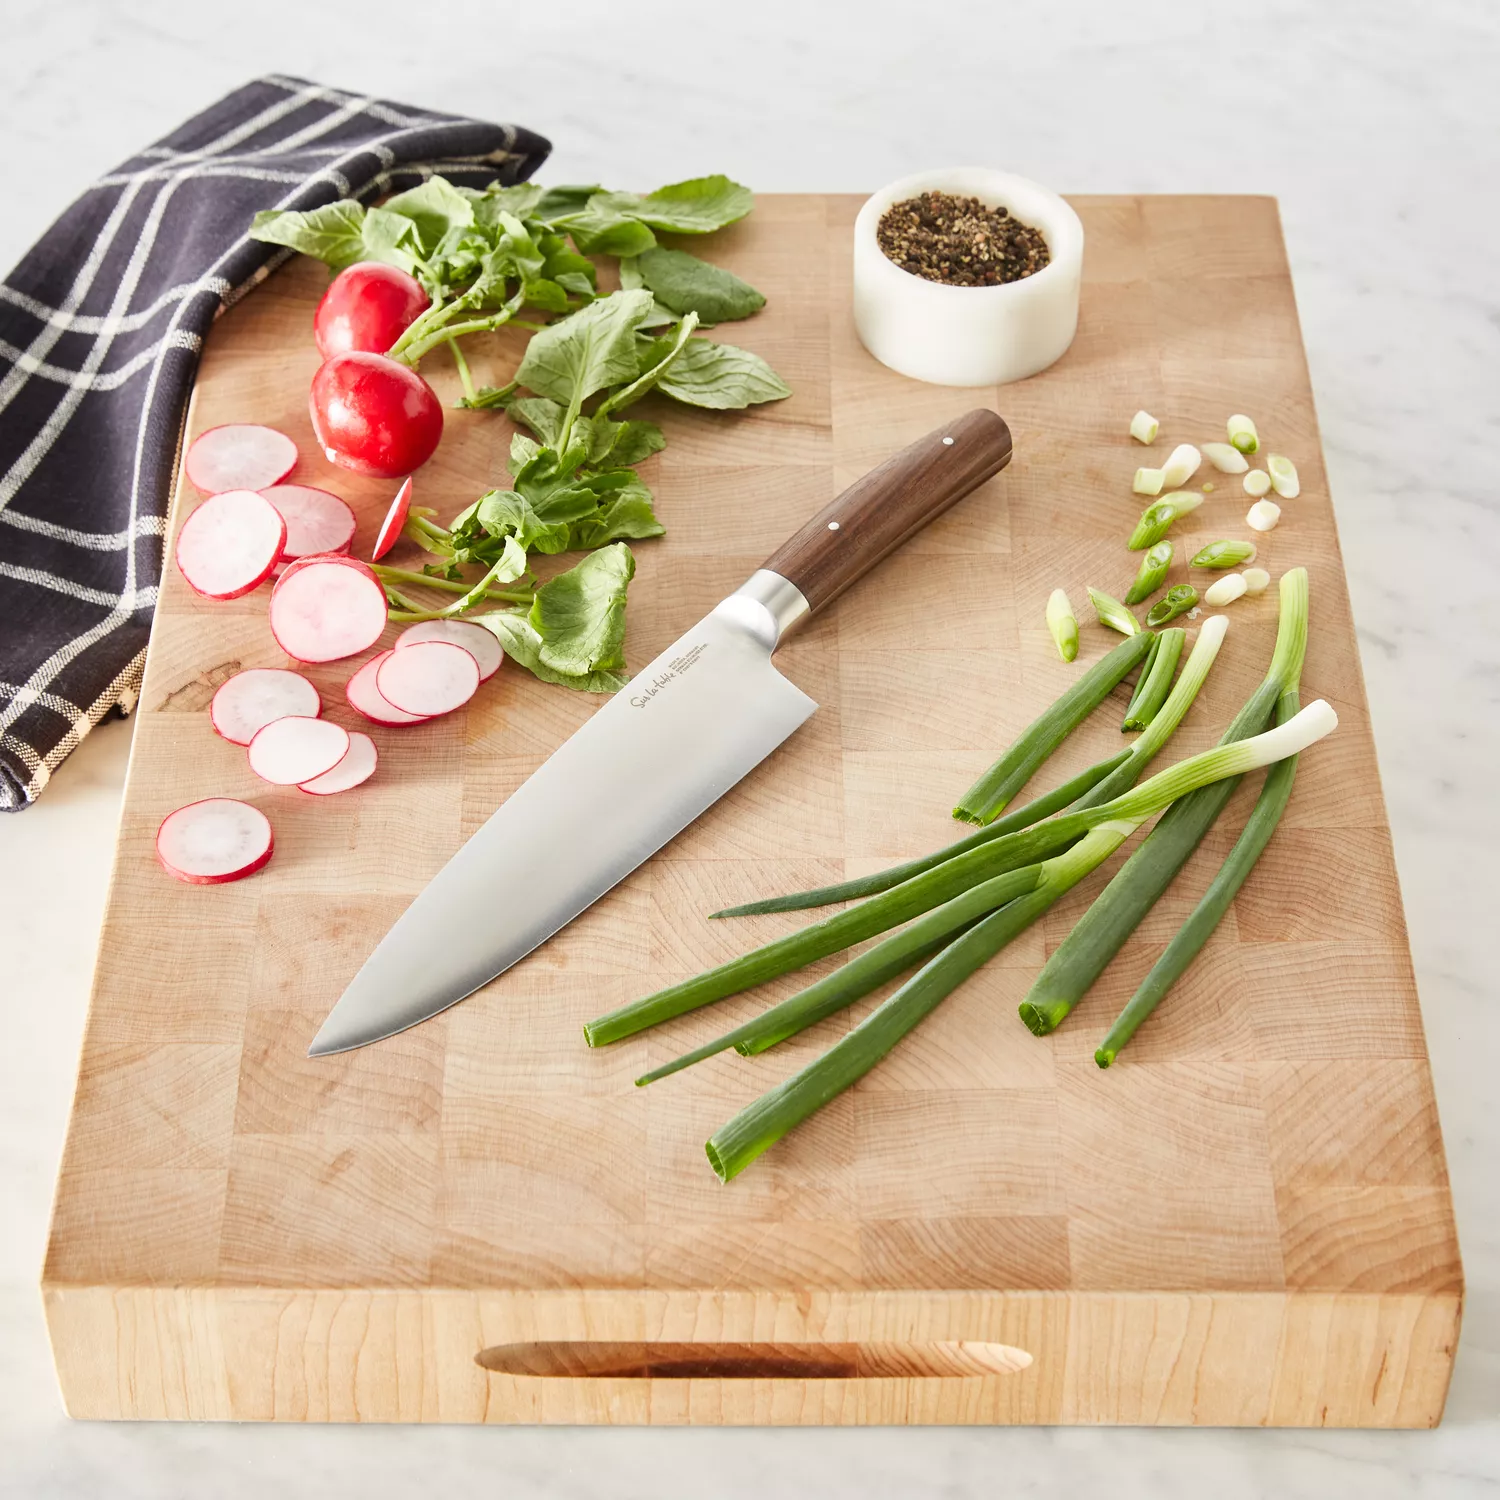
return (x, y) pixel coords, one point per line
(1377, 126)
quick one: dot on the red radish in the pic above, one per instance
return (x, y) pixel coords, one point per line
(367, 306)
(316, 521)
(475, 639)
(395, 519)
(374, 415)
(240, 456)
(214, 841)
(229, 545)
(428, 677)
(250, 700)
(287, 752)
(323, 608)
(364, 697)
(356, 767)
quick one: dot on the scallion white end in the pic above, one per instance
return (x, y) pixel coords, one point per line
(1144, 427)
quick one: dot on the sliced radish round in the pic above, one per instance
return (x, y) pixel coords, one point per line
(214, 841)
(395, 519)
(428, 677)
(475, 639)
(323, 608)
(240, 456)
(252, 699)
(316, 521)
(288, 752)
(365, 698)
(229, 545)
(357, 766)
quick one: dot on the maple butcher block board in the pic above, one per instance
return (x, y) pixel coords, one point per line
(1245, 1221)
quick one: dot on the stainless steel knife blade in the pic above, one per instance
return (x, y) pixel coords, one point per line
(708, 710)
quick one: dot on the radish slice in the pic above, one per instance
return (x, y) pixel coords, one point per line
(323, 608)
(214, 841)
(428, 677)
(316, 521)
(395, 519)
(365, 698)
(288, 752)
(357, 766)
(250, 700)
(240, 456)
(475, 639)
(229, 545)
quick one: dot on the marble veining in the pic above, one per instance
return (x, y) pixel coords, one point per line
(1378, 128)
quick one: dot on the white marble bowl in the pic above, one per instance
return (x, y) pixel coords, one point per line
(969, 335)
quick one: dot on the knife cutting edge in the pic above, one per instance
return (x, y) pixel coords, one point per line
(666, 747)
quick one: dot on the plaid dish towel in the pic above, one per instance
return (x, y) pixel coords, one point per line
(100, 329)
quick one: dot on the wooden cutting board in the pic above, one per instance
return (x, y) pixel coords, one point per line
(1246, 1221)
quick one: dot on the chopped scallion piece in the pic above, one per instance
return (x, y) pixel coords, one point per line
(1224, 555)
(1180, 466)
(1283, 476)
(1226, 458)
(1176, 601)
(1242, 433)
(1263, 515)
(1153, 573)
(1157, 519)
(1063, 624)
(1144, 427)
(1114, 614)
(1148, 481)
(1257, 482)
(1225, 591)
(1257, 580)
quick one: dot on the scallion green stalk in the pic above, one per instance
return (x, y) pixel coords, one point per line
(1224, 554)
(871, 885)
(760, 1125)
(1209, 912)
(942, 883)
(1156, 681)
(1104, 927)
(988, 797)
(868, 971)
(1177, 600)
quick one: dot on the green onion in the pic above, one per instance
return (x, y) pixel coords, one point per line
(1166, 719)
(1209, 912)
(1257, 483)
(1114, 614)
(1063, 624)
(1148, 481)
(1283, 476)
(1226, 459)
(871, 885)
(1156, 681)
(988, 797)
(1223, 555)
(1177, 600)
(761, 1124)
(868, 971)
(1145, 672)
(1242, 433)
(1153, 573)
(1123, 815)
(1144, 427)
(1103, 928)
(1156, 519)
(1182, 463)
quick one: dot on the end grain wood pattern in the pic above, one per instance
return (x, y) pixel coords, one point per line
(1245, 1221)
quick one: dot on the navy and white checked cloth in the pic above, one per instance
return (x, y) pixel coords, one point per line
(100, 329)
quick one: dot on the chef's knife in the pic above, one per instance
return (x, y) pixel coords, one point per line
(706, 712)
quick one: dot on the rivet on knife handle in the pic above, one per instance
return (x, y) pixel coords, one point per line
(879, 512)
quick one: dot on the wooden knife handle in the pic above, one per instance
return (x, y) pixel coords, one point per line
(876, 514)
